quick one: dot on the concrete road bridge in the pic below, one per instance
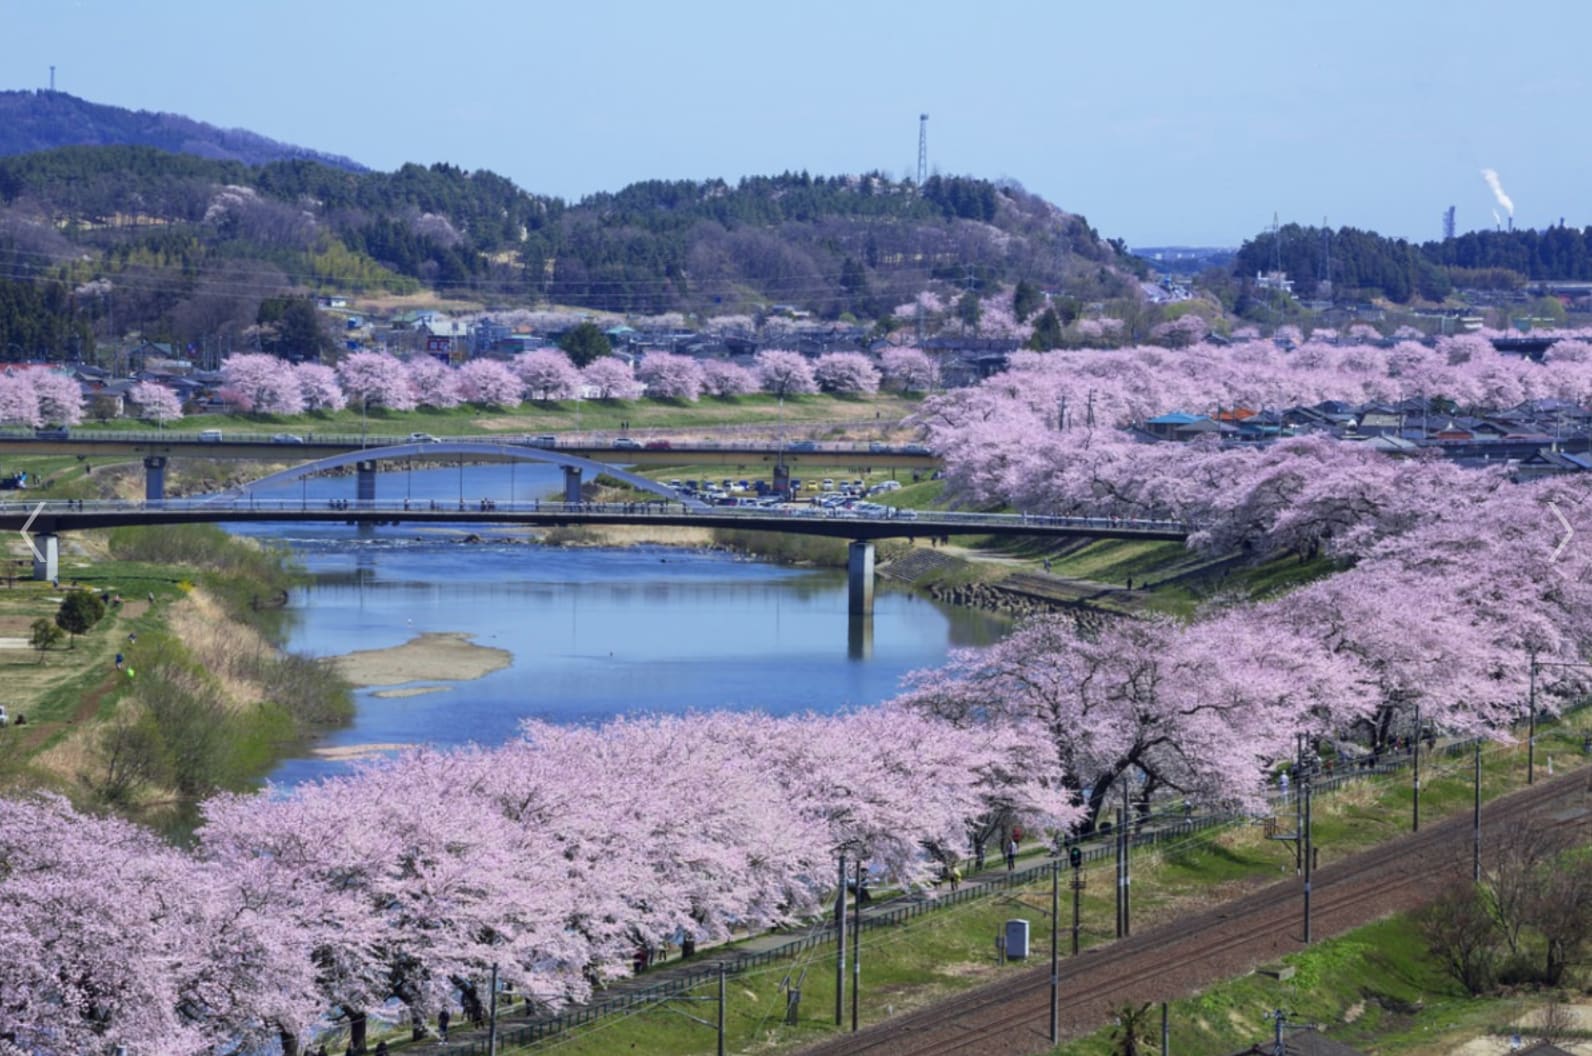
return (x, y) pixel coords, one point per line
(45, 521)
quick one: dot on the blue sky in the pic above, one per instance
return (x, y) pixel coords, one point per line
(1161, 121)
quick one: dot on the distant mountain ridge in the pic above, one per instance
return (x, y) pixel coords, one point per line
(43, 120)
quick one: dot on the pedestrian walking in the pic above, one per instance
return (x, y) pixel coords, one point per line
(956, 876)
(1011, 855)
(443, 1019)
(381, 1048)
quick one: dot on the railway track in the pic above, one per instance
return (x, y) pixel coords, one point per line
(1012, 1017)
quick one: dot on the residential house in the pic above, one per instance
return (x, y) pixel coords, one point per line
(445, 339)
(1549, 462)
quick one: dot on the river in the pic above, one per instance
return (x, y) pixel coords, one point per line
(594, 632)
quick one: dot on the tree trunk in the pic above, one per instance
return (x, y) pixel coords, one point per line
(289, 1040)
(356, 1031)
(417, 1025)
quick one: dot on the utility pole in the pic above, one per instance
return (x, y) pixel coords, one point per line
(1299, 802)
(1475, 846)
(1124, 875)
(1531, 726)
(491, 1029)
(1055, 951)
(1077, 894)
(721, 1009)
(856, 948)
(1304, 844)
(840, 946)
(1415, 759)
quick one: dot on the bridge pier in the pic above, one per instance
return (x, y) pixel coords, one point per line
(859, 637)
(365, 485)
(859, 578)
(572, 484)
(154, 478)
(46, 556)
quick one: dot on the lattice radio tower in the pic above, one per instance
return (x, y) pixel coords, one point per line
(923, 149)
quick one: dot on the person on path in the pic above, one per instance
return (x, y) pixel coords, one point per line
(956, 876)
(443, 1019)
(1011, 855)
(381, 1048)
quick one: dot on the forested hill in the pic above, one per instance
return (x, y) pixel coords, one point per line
(1365, 264)
(31, 121)
(170, 225)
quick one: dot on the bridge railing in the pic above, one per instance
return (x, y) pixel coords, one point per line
(660, 508)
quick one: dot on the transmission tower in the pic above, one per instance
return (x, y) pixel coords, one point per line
(923, 149)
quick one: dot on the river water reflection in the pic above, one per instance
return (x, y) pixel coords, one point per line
(594, 632)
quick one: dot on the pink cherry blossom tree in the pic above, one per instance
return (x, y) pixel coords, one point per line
(376, 379)
(548, 374)
(155, 402)
(261, 383)
(491, 383)
(783, 373)
(846, 372)
(671, 377)
(434, 384)
(60, 397)
(724, 379)
(908, 370)
(19, 401)
(612, 379)
(319, 386)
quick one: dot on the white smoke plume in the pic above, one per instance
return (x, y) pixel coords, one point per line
(1491, 176)
(1498, 221)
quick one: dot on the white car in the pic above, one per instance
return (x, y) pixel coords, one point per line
(423, 438)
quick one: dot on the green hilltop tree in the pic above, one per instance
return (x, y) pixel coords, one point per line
(585, 344)
(1026, 300)
(1047, 331)
(80, 611)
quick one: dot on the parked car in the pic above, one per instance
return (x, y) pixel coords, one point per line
(546, 440)
(625, 443)
(286, 438)
(423, 438)
(52, 432)
(804, 445)
(658, 445)
(210, 436)
(875, 445)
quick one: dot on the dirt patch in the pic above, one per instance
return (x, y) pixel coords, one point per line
(357, 751)
(451, 656)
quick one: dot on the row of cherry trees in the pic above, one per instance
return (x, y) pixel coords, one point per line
(553, 857)
(1449, 582)
(268, 385)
